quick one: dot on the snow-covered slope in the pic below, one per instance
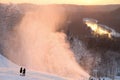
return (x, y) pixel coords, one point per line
(4, 62)
(13, 74)
(10, 71)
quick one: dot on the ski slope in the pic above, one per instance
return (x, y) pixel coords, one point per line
(13, 74)
(10, 71)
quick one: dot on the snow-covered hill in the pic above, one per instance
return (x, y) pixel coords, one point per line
(5, 63)
(10, 71)
(13, 74)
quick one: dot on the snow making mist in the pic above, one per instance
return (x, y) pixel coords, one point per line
(39, 46)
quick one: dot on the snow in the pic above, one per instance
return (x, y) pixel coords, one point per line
(117, 77)
(105, 78)
(10, 71)
(4, 62)
(13, 74)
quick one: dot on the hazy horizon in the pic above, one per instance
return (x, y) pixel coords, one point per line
(78, 2)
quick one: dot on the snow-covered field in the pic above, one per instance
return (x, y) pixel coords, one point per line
(10, 71)
(13, 74)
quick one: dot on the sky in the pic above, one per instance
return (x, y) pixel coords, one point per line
(79, 2)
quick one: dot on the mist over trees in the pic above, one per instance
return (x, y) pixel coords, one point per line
(97, 60)
(10, 17)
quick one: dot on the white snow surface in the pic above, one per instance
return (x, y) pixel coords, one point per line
(5, 63)
(10, 71)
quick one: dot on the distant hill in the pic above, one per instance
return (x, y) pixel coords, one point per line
(105, 14)
(116, 12)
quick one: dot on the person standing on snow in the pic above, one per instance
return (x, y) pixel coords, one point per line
(20, 71)
(24, 71)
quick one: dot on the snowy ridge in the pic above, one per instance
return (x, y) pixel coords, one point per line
(10, 71)
(13, 74)
(4, 62)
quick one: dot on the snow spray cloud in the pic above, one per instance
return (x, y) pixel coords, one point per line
(100, 29)
(41, 46)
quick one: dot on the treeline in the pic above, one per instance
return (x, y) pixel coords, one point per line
(99, 56)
